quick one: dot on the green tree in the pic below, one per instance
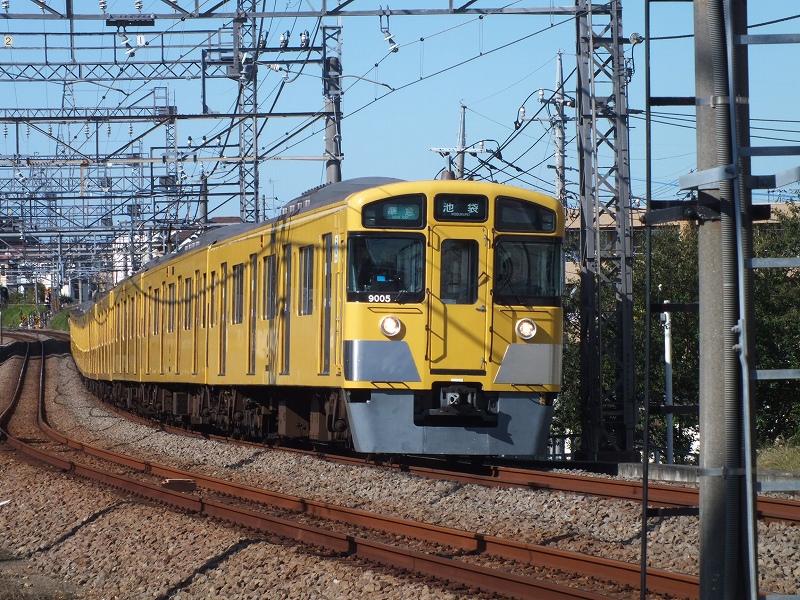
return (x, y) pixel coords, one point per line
(776, 299)
(567, 415)
(674, 279)
(674, 267)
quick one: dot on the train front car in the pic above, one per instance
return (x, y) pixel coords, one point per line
(452, 324)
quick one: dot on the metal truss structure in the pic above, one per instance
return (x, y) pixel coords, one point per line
(84, 215)
(607, 365)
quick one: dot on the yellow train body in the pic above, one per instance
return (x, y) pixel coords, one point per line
(416, 317)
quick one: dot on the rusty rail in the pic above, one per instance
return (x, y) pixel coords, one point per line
(419, 562)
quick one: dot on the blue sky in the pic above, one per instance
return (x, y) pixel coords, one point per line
(491, 65)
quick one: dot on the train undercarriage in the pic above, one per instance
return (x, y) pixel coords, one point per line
(450, 419)
(248, 413)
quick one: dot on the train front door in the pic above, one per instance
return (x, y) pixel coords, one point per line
(458, 300)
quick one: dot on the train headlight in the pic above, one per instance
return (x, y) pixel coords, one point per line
(526, 329)
(390, 326)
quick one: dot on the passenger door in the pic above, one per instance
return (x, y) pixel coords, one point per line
(458, 300)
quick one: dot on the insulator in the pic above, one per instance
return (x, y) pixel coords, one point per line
(103, 5)
(138, 5)
(50, 130)
(86, 130)
(6, 5)
(5, 130)
(108, 130)
(28, 131)
(130, 129)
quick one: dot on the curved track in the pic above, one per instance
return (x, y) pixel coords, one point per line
(358, 544)
(659, 495)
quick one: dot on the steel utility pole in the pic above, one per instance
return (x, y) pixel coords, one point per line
(245, 61)
(461, 148)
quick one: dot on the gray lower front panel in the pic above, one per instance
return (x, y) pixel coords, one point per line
(372, 360)
(531, 364)
(385, 424)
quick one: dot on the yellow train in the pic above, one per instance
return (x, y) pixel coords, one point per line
(397, 317)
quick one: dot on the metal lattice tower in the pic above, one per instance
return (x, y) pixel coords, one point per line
(136, 190)
(607, 367)
(245, 44)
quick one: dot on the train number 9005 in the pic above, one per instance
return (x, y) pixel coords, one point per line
(379, 298)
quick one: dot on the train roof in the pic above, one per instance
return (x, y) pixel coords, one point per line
(307, 201)
(332, 193)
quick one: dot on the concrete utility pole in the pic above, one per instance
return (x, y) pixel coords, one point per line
(728, 568)
(462, 142)
(558, 122)
(332, 86)
(712, 362)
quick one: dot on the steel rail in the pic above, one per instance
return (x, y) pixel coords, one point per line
(590, 566)
(6, 414)
(417, 562)
(447, 568)
(769, 508)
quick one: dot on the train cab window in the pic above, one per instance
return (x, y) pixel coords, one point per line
(513, 214)
(238, 294)
(388, 268)
(459, 273)
(527, 272)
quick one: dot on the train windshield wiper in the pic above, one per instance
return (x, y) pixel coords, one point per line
(406, 286)
(508, 286)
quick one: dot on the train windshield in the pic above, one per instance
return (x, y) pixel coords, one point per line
(527, 272)
(385, 268)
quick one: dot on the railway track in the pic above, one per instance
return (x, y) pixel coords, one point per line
(365, 541)
(659, 495)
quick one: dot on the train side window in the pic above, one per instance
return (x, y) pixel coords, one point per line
(156, 310)
(306, 300)
(459, 274)
(223, 317)
(253, 287)
(287, 308)
(213, 308)
(204, 318)
(187, 304)
(251, 314)
(238, 293)
(270, 287)
(171, 308)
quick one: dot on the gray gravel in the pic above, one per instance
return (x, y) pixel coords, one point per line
(143, 557)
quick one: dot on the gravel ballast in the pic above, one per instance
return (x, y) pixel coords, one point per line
(143, 562)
